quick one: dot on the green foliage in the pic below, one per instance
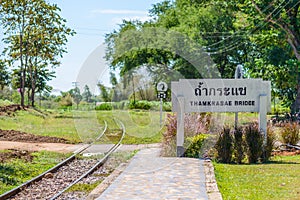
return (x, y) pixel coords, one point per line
(193, 145)
(195, 127)
(271, 139)
(238, 145)
(104, 93)
(224, 146)
(244, 141)
(104, 106)
(254, 142)
(39, 44)
(4, 75)
(290, 133)
(5, 102)
(86, 94)
(75, 93)
(66, 101)
(143, 105)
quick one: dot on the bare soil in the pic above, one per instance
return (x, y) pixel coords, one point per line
(10, 109)
(14, 153)
(12, 135)
(291, 152)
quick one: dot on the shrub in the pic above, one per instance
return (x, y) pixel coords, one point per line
(167, 106)
(254, 142)
(195, 123)
(143, 105)
(169, 136)
(238, 145)
(270, 144)
(104, 106)
(5, 102)
(194, 145)
(290, 133)
(224, 146)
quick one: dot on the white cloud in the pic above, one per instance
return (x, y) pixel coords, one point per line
(119, 12)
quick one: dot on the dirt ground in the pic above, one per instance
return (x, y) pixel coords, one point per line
(14, 153)
(26, 146)
(18, 136)
(10, 139)
(10, 109)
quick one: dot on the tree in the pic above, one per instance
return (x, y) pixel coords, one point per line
(279, 21)
(86, 94)
(104, 93)
(39, 42)
(4, 76)
(75, 94)
(179, 41)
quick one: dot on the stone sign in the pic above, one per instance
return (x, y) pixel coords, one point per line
(220, 95)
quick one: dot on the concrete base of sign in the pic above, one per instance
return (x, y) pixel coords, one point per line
(180, 151)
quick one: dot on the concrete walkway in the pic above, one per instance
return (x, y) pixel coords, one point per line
(149, 176)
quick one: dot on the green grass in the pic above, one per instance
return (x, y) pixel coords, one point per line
(278, 179)
(33, 122)
(18, 171)
(142, 127)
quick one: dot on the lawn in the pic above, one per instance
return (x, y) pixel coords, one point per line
(55, 124)
(85, 126)
(279, 179)
(141, 127)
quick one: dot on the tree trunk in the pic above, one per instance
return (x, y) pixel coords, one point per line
(22, 72)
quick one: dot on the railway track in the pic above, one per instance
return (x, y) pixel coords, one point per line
(53, 183)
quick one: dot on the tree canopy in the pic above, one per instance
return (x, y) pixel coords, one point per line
(195, 37)
(35, 36)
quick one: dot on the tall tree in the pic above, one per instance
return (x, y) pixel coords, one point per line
(36, 36)
(86, 94)
(180, 40)
(4, 75)
(277, 20)
(105, 93)
(75, 94)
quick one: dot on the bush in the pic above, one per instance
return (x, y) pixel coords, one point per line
(143, 105)
(194, 145)
(254, 142)
(5, 102)
(224, 146)
(169, 136)
(104, 106)
(290, 133)
(270, 144)
(195, 124)
(238, 145)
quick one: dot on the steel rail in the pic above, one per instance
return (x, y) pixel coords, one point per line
(293, 146)
(16, 190)
(97, 165)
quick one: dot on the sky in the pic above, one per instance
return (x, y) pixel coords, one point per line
(92, 19)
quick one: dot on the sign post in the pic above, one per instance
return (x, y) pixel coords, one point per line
(238, 74)
(162, 88)
(220, 95)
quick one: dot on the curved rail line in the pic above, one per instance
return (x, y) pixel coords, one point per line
(18, 189)
(98, 164)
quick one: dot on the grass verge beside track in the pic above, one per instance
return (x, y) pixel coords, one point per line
(14, 172)
(276, 180)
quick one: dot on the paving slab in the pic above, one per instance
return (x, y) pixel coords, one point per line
(149, 176)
